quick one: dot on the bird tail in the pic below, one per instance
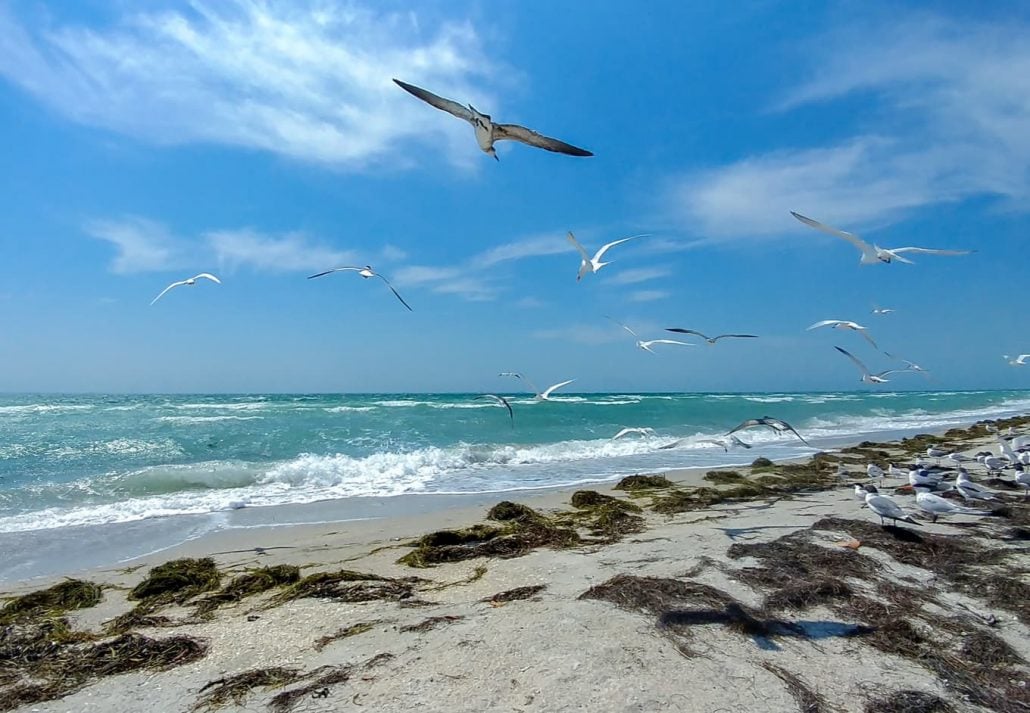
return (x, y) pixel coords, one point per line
(911, 520)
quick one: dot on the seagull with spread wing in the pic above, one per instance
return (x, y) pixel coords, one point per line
(867, 376)
(487, 132)
(500, 401)
(365, 272)
(544, 395)
(1020, 360)
(646, 345)
(776, 424)
(711, 340)
(844, 324)
(874, 254)
(190, 282)
(589, 265)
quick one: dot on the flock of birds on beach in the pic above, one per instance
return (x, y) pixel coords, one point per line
(925, 481)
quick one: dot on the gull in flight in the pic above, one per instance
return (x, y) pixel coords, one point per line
(873, 254)
(910, 365)
(589, 265)
(724, 443)
(544, 395)
(885, 507)
(639, 431)
(935, 506)
(773, 423)
(365, 272)
(711, 340)
(844, 324)
(646, 345)
(190, 281)
(487, 132)
(883, 310)
(500, 401)
(1018, 361)
(866, 376)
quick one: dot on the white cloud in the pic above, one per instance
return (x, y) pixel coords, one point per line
(535, 246)
(143, 245)
(636, 275)
(948, 111)
(648, 295)
(308, 80)
(270, 253)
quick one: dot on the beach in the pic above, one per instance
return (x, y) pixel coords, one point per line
(736, 589)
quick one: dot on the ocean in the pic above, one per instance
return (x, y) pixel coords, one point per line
(90, 460)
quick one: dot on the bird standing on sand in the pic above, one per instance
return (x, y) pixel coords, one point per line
(875, 472)
(1023, 478)
(874, 254)
(970, 490)
(190, 282)
(935, 506)
(487, 132)
(366, 272)
(885, 507)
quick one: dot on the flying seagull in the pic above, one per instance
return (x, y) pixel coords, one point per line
(873, 254)
(365, 272)
(646, 345)
(867, 377)
(774, 423)
(1018, 361)
(724, 443)
(883, 310)
(500, 401)
(487, 132)
(639, 431)
(544, 395)
(909, 365)
(190, 281)
(592, 264)
(844, 324)
(711, 340)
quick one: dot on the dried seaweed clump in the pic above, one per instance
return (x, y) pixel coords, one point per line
(523, 530)
(348, 586)
(643, 482)
(724, 477)
(236, 688)
(345, 633)
(249, 584)
(322, 678)
(517, 594)
(808, 701)
(909, 702)
(52, 601)
(604, 516)
(68, 666)
(178, 580)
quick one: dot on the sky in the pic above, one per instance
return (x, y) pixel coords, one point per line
(147, 141)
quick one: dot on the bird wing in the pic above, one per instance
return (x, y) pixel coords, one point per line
(604, 248)
(671, 445)
(738, 442)
(882, 505)
(749, 423)
(713, 441)
(668, 341)
(515, 132)
(1021, 359)
(572, 239)
(174, 284)
(625, 431)
(501, 401)
(784, 426)
(680, 330)
(335, 269)
(395, 293)
(207, 276)
(865, 333)
(451, 107)
(862, 245)
(930, 251)
(852, 357)
(555, 387)
(823, 323)
(624, 327)
(735, 336)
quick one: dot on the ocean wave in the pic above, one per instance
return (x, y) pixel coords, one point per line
(346, 409)
(45, 408)
(232, 406)
(205, 419)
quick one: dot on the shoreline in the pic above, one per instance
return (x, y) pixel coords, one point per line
(34, 556)
(656, 596)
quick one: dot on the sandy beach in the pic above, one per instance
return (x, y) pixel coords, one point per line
(768, 588)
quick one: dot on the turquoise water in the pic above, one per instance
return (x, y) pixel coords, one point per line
(91, 460)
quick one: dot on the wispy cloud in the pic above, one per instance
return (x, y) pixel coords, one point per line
(233, 249)
(308, 80)
(535, 246)
(635, 275)
(142, 245)
(648, 295)
(949, 106)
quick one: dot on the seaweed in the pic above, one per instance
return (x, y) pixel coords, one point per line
(808, 701)
(348, 586)
(643, 482)
(430, 623)
(236, 688)
(588, 499)
(178, 580)
(333, 675)
(803, 594)
(724, 477)
(909, 702)
(52, 601)
(248, 584)
(517, 594)
(761, 462)
(345, 633)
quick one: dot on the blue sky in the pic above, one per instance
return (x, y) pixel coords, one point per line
(147, 141)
